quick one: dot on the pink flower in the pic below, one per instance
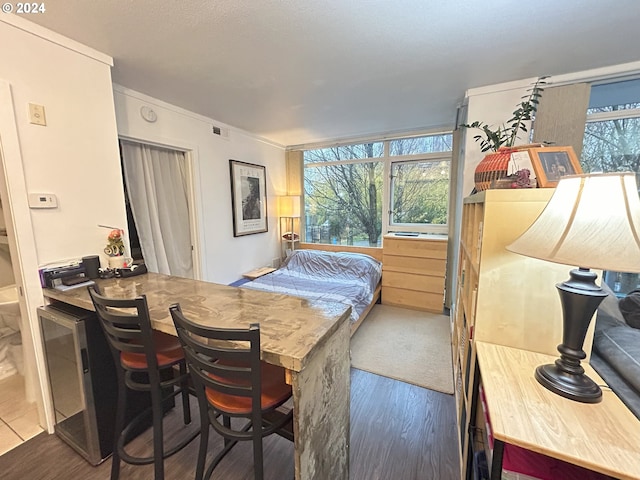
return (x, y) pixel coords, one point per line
(115, 235)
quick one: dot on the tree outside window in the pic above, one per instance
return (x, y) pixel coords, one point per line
(343, 201)
(344, 188)
(612, 144)
(420, 192)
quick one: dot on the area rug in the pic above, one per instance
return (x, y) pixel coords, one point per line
(406, 345)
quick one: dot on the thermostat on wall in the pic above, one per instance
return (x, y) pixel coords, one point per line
(43, 200)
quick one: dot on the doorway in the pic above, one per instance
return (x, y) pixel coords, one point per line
(19, 417)
(160, 208)
(23, 410)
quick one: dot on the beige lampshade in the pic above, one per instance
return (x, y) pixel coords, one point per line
(591, 221)
(289, 206)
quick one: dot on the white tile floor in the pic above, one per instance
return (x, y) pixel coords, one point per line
(18, 419)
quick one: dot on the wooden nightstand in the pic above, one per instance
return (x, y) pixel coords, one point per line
(258, 272)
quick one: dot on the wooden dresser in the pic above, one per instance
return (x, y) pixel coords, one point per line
(413, 271)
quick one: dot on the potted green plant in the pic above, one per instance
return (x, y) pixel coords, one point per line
(502, 139)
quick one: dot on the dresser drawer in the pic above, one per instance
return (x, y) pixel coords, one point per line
(398, 297)
(415, 248)
(420, 266)
(410, 281)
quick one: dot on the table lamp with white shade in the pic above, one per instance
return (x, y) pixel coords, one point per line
(591, 221)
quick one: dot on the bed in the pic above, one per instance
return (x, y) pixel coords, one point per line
(351, 278)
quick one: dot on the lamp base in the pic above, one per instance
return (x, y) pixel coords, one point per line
(574, 386)
(580, 297)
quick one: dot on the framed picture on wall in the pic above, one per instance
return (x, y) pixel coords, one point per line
(552, 163)
(248, 198)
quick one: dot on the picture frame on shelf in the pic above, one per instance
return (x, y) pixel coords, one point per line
(552, 163)
(248, 198)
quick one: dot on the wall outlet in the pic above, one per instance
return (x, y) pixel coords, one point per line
(275, 263)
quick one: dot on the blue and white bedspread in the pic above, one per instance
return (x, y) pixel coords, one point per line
(349, 278)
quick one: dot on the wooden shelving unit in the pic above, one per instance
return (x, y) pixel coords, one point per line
(502, 298)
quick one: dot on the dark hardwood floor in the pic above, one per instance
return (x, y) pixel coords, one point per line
(398, 432)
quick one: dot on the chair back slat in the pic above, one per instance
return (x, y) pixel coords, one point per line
(127, 329)
(227, 374)
(219, 358)
(148, 382)
(206, 381)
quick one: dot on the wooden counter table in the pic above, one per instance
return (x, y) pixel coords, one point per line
(603, 437)
(310, 338)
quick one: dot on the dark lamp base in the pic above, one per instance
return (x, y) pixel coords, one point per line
(576, 387)
(580, 297)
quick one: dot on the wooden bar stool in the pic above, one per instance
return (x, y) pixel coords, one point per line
(231, 381)
(144, 359)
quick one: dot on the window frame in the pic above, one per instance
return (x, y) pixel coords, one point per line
(612, 115)
(387, 160)
(597, 117)
(611, 278)
(417, 227)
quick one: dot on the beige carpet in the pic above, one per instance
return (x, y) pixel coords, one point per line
(406, 345)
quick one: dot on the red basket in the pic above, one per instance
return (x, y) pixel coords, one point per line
(492, 167)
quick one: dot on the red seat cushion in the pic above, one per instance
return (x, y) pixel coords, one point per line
(275, 391)
(168, 352)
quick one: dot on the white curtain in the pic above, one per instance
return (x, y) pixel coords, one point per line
(157, 188)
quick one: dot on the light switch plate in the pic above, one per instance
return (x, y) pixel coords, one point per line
(36, 114)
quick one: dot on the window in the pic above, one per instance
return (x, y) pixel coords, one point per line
(612, 139)
(343, 194)
(612, 144)
(344, 189)
(420, 184)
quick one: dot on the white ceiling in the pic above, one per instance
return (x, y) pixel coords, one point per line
(301, 71)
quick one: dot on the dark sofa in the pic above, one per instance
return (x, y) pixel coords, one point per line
(616, 353)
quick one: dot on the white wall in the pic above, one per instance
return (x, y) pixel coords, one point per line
(493, 105)
(223, 257)
(74, 156)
